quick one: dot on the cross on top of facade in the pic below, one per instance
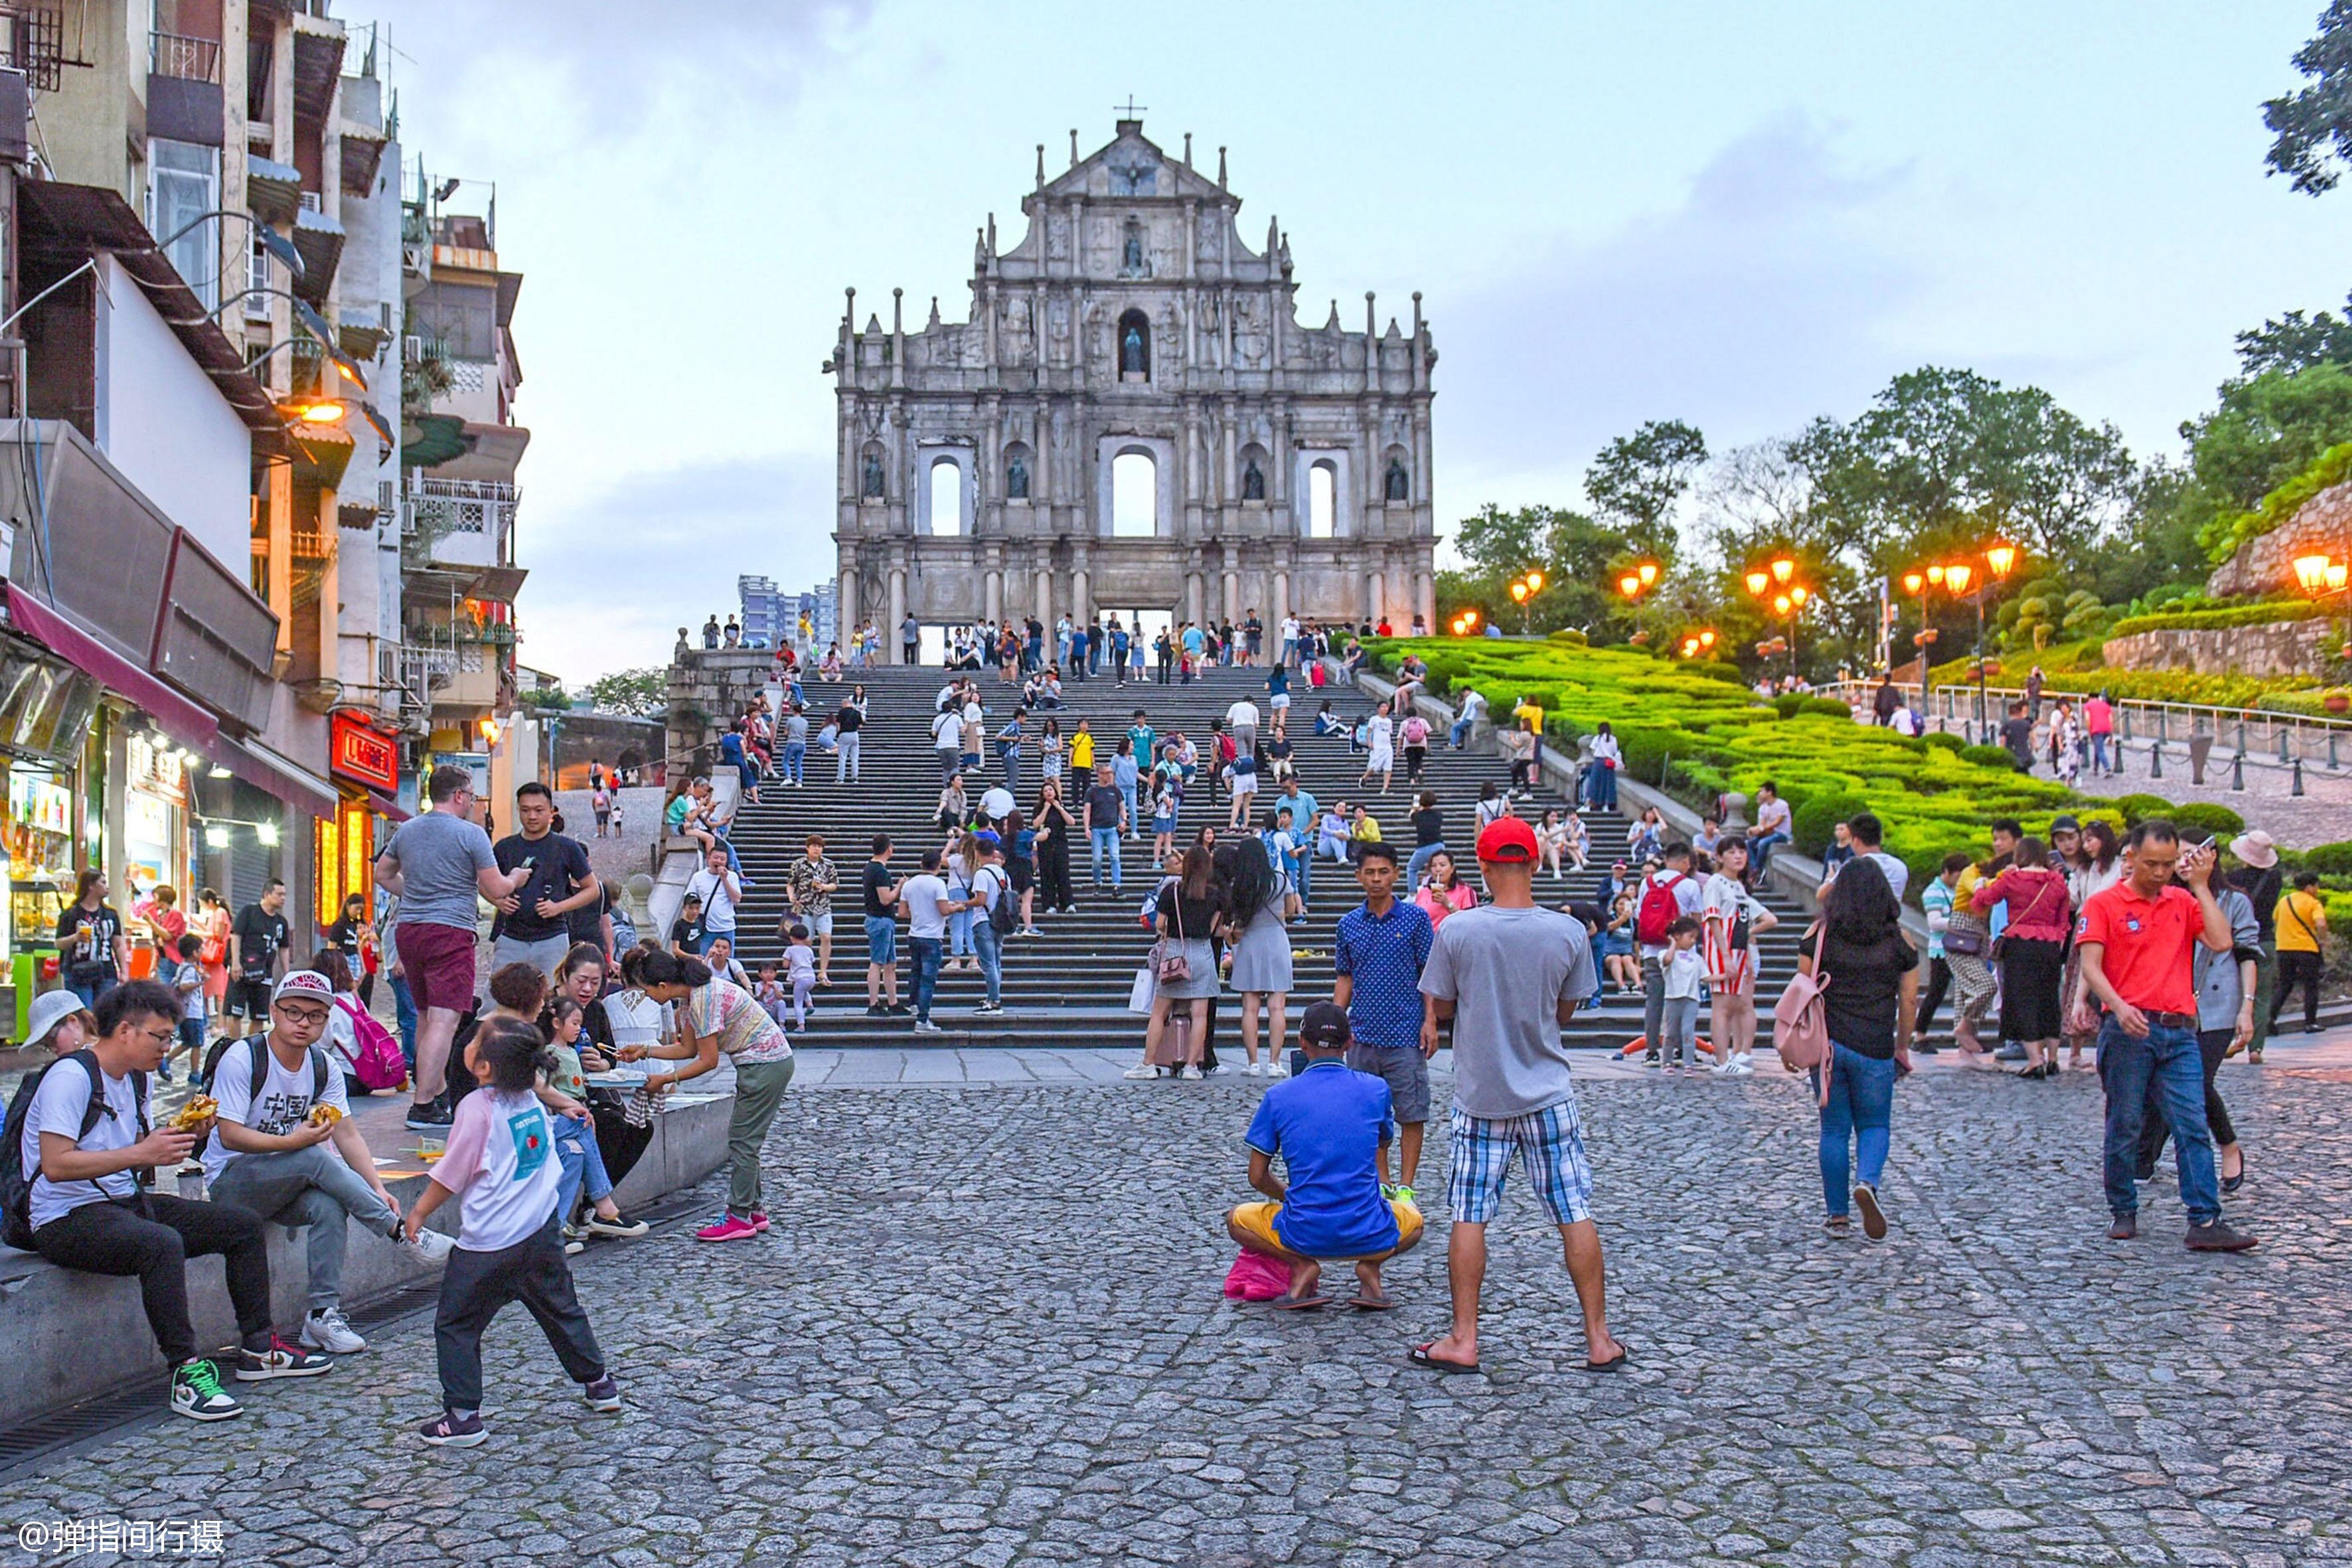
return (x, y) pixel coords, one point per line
(1132, 112)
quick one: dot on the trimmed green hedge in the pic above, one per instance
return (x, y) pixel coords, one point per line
(2267, 612)
(2139, 807)
(1816, 821)
(2198, 818)
(2329, 860)
(1989, 757)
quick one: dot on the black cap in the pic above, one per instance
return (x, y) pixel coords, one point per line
(1326, 1024)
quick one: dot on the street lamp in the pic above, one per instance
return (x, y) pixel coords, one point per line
(1787, 601)
(1756, 581)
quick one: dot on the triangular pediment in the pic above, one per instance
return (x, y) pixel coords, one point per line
(1132, 167)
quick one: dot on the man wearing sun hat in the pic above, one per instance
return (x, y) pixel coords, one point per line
(2259, 878)
(1508, 978)
(282, 1097)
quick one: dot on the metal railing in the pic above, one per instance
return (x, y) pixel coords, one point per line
(189, 59)
(2240, 737)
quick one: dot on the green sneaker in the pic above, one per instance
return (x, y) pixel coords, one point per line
(196, 1394)
(1404, 1194)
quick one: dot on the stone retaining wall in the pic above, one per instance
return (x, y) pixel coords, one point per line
(2278, 647)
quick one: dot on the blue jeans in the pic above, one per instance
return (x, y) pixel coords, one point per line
(927, 972)
(1011, 757)
(959, 930)
(1419, 859)
(795, 753)
(1103, 844)
(1860, 1110)
(1761, 845)
(2170, 1062)
(97, 988)
(991, 948)
(583, 1161)
(881, 940)
(1459, 732)
(2099, 752)
(1134, 817)
(403, 1007)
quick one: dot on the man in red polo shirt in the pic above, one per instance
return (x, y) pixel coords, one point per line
(2138, 940)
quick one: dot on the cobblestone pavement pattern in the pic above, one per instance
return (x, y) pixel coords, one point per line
(987, 1330)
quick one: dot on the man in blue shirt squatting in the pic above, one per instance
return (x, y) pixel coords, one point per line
(1379, 950)
(1330, 1124)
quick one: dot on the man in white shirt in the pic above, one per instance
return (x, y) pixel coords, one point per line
(721, 892)
(1290, 640)
(1863, 828)
(1772, 824)
(928, 904)
(90, 1147)
(947, 740)
(265, 1155)
(1473, 708)
(1242, 720)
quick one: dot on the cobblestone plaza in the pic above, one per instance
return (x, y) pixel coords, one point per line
(987, 1330)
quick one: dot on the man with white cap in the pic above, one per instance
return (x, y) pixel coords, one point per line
(282, 1097)
(2259, 878)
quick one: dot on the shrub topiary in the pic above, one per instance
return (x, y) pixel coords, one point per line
(2199, 817)
(1830, 706)
(2137, 807)
(1944, 740)
(1789, 705)
(2329, 860)
(1989, 757)
(1814, 821)
(1569, 636)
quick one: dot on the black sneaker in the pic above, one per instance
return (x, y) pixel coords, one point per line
(430, 1117)
(604, 1395)
(877, 1010)
(2217, 1237)
(197, 1394)
(280, 1360)
(455, 1431)
(2125, 1228)
(900, 1009)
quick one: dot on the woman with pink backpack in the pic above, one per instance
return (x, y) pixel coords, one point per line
(1862, 978)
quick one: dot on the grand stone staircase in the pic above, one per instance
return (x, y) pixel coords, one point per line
(1070, 986)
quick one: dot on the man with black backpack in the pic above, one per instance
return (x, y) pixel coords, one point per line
(281, 1099)
(80, 1150)
(1666, 896)
(992, 894)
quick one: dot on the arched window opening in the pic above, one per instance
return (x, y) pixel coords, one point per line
(1322, 502)
(1134, 496)
(947, 497)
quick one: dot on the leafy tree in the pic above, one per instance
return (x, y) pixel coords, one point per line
(644, 692)
(2268, 429)
(1578, 557)
(1636, 480)
(550, 698)
(2313, 125)
(2293, 342)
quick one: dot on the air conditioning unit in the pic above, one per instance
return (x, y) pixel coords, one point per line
(412, 349)
(311, 202)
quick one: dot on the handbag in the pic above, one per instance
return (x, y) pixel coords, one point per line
(1171, 965)
(1800, 1032)
(2002, 942)
(1139, 995)
(1967, 942)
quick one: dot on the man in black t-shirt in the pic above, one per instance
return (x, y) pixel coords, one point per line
(882, 933)
(2017, 734)
(846, 723)
(533, 922)
(255, 943)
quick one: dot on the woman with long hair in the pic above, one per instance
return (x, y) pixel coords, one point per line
(1444, 892)
(1428, 837)
(1186, 919)
(2097, 865)
(1021, 865)
(1379, 748)
(2032, 953)
(1869, 1005)
(1551, 841)
(1049, 752)
(209, 924)
(1056, 824)
(1255, 903)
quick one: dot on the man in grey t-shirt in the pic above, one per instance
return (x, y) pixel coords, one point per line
(436, 865)
(1509, 975)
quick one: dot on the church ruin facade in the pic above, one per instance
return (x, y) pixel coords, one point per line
(1132, 419)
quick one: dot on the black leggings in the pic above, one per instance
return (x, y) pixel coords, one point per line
(1054, 870)
(152, 1236)
(2213, 1045)
(479, 1283)
(2298, 969)
(1939, 982)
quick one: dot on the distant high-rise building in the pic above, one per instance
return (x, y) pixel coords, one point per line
(768, 613)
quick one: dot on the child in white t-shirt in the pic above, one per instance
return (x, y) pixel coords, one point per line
(802, 960)
(502, 1165)
(1684, 971)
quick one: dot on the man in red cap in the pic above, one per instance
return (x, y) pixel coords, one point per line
(1508, 974)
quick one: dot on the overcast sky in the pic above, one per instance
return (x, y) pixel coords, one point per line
(1736, 215)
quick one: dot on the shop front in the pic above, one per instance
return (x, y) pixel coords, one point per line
(365, 766)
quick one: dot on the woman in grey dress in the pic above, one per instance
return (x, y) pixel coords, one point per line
(1257, 905)
(1186, 920)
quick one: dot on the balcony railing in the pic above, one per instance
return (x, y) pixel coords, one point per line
(189, 59)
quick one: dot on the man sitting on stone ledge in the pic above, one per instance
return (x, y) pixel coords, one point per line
(1328, 1123)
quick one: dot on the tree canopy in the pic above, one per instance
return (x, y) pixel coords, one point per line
(2312, 126)
(644, 692)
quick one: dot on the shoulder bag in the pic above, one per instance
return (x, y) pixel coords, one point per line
(1800, 1032)
(2002, 942)
(1172, 964)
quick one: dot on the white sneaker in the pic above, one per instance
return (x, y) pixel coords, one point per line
(574, 1248)
(325, 1328)
(432, 1246)
(1250, 1069)
(1275, 1070)
(1141, 1070)
(1741, 1064)
(1190, 1075)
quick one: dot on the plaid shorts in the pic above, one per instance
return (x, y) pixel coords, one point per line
(1551, 1143)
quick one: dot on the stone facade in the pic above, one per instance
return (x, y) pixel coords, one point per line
(2321, 526)
(708, 690)
(2279, 647)
(1132, 320)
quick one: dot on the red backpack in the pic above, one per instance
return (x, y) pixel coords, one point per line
(1659, 909)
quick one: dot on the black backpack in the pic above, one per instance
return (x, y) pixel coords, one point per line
(1001, 913)
(260, 1053)
(15, 1181)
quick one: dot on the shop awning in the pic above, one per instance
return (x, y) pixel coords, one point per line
(181, 719)
(264, 770)
(383, 805)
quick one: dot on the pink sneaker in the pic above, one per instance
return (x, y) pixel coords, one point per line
(760, 1221)
(729, 1229)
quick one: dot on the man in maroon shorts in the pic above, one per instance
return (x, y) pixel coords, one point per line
(436, 863)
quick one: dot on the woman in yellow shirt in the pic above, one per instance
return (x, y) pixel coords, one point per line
(2301, 926)
(1082, 753)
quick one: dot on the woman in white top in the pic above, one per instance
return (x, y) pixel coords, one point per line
(1049, 751)
(1493, 803)
(1600, 774)
(1646, 836)
(1379, 748)
(1551, 841)
(1578, 843)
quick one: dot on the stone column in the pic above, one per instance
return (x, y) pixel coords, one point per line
(993, 592)
(1233, 584)
(1044, 609)
(845, 594)
(898, 610)
(1196, 592)
(1424, 597)
(1082, 603)
(1280, 608)
(1373, 583)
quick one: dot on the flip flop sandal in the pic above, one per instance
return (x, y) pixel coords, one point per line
(1300, 1303)
(1373, 1304)
(1614, 1364)
(1420, 1357)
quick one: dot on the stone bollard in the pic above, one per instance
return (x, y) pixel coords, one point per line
(1735, 814)
(2200, 747)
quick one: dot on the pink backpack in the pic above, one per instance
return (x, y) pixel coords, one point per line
(1800, 1032)
(376, 1060)
(1255, 1277)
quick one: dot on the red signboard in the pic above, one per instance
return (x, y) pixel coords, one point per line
(357, 752)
